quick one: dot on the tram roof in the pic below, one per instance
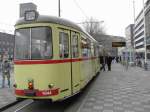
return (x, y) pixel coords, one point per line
(53, 19)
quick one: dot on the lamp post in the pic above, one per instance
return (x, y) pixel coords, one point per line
(58, 8)
(133, 48)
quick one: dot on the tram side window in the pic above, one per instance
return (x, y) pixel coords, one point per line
(75, 50)
(84, 47)
(95, 50)
(89, 47)
(63, 45)
(92, 50)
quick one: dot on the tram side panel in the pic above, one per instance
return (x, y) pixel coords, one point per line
(97, 63)
(93, 60)
(42, 76)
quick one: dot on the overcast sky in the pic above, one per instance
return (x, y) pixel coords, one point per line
(116, 14)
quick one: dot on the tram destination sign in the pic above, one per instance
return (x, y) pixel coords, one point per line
(118, 44)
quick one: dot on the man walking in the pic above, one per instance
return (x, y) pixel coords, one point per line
(102, 62)
(109, 60)
(5, 72)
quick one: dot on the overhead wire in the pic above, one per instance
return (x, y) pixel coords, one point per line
(82, 11)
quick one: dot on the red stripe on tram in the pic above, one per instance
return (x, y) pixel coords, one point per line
(25, 62)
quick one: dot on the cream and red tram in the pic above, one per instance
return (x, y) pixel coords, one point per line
(54, 58)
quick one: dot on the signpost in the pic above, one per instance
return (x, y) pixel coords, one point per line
(118, 44)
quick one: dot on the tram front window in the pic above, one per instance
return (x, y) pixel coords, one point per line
(33, 43)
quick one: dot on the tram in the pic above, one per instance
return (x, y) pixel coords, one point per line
(54, 58)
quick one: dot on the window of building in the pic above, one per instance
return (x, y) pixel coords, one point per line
(141, 40)
(137, 25)
(140, 46)
(142, 33)
(8, 43)
(64, 44)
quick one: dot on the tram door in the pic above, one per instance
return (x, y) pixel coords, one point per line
(64, 67)
(75, 64)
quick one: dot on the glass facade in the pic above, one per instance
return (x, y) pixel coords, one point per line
(6, 45)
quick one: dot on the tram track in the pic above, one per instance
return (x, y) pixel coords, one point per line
(15, 107)
(18, 109)
(10, 105)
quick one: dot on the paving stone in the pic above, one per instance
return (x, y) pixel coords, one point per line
(120, 91)
(108, 111)
(98, 107)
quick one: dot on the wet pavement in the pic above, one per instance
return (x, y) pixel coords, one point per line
(119, 90)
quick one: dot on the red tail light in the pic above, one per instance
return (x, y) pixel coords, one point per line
(30, 85)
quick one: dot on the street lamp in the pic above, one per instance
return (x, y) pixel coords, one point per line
(58, 8)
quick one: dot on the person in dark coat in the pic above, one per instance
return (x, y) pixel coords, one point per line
(109, 60)
(117, 59)
(5, 72)
(102, 62)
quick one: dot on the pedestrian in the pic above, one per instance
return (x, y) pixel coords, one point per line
(117, 59)
(127, 63)
(102, 62)
(5, 72)
(120, 59)
(109, 60)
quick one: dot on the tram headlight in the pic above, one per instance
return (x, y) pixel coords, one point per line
(51, 86)
(30, 15)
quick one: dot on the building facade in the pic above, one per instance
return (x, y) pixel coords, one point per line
(129, 36)
(6, 45)
(147, 27)
(139, 35)
(106, 42)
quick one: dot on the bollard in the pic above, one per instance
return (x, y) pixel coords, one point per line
(145, 66)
